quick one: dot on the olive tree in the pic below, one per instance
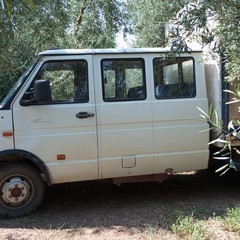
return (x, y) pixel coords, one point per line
(94, 23)
(28, 27)
(213, 23)
(148, 20)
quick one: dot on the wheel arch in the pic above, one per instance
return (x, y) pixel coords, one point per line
(18, 155)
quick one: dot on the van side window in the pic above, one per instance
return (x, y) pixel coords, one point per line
(68, 80)
(123, 79)
(174, 78)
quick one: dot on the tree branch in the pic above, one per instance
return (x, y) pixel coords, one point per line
(80, 16)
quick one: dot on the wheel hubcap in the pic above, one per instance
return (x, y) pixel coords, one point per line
(15, 190)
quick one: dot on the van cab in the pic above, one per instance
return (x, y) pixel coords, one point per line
(121, 114)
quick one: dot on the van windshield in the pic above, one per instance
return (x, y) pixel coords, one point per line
(17, 85)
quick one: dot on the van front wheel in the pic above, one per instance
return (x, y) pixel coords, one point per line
(21, 190)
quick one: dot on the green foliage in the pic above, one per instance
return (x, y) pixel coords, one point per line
(62, 84)
(95, 22)
(9, 6)
(188, 228)
(213, 23)
(25, 34)
(28, 27)
(148, 21)
(235, 94)
(226, 139)
(232, 220)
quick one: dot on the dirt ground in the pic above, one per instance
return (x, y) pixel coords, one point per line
(100, 210)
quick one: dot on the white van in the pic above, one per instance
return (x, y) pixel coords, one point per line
(121, 114)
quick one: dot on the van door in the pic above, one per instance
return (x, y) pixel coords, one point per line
(179, 86)
(124, 116)
(62, 133)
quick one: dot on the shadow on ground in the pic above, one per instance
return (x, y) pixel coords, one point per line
(103, 205)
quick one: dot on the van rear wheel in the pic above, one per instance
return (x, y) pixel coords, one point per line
(21, 190)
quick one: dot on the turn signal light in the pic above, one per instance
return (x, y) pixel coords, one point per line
(7, 134)
(61, 157)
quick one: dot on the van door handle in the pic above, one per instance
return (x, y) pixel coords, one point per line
(84, 115)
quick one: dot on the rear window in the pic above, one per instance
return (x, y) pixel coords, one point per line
(174, 78)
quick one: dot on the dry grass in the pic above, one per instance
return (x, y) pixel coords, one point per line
(192, 206)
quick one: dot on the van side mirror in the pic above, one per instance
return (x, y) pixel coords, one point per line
(40, 93)
(43, 92)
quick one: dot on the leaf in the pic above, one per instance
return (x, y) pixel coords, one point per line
(211, 123)
(206, 130)
(234, 101)
(234, 134)
(237, 151)
(222, 168)
(221, 158)
(224, 171)
(216, 117)
(226, 154)
(204, 114)
(31, 3)
(8, 5)
(231, 92)
(221, 151)
(219, 140)
(230, 126)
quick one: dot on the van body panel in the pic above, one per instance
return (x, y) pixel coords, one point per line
(124, 129)
(6, 130)
(121, 136)
(178, 137)
(67, 144)
(179, 141)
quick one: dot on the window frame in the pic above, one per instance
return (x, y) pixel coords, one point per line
(62, 101)
(181, 77)
(142, 60)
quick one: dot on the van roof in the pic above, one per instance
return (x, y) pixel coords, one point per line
(107, 51)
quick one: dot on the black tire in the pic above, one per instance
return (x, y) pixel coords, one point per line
(21, 190)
